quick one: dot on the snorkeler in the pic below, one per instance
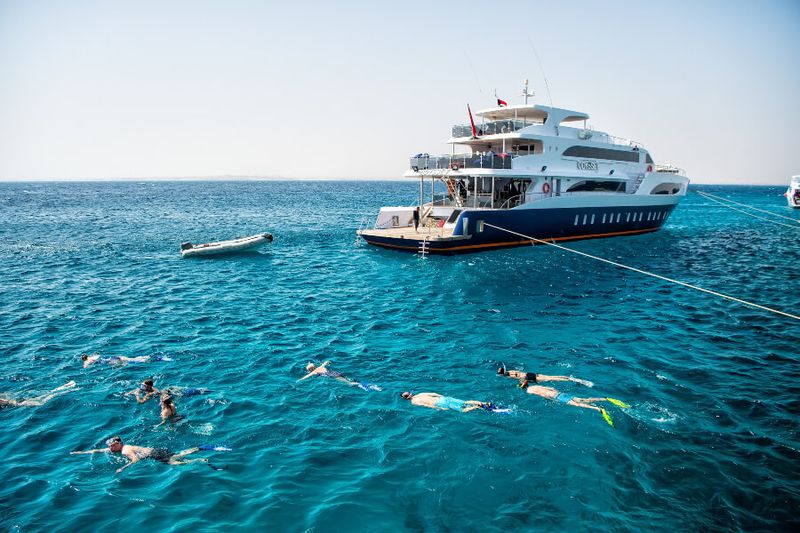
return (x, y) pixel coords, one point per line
(38, 400)
(162, 455)
(144, 392)
(536, 378)
(323, 370)
(89, 360)
(444, 403)
(587, 403)
(168, 409)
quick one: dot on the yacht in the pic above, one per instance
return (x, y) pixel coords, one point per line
(793, 192)
(532, 172)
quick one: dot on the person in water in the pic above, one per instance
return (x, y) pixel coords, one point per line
(137, 453)
(323, 370)
(168, 409)
(37, 401)
(536, 378)
(444, 403)
(587, 403)
(89, 360)
(144, 392)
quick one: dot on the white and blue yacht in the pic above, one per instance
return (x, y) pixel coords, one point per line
(534, 170)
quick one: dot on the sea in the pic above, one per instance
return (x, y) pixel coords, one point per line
(710, 442)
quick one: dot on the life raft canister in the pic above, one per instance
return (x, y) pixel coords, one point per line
(546, 188)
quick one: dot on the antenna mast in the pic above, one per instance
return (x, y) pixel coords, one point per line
(525, 92)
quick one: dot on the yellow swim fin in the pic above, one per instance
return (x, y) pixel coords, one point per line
(607, 417)
(618, 403)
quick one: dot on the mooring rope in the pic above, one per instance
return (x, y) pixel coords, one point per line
(721, 201)
(695, 287)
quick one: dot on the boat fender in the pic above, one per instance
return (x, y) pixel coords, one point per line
(649, 168)
(546, 188)
(186, 246)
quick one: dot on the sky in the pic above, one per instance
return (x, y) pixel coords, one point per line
(304, 89)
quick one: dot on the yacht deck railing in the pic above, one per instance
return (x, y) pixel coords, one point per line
(459, 161)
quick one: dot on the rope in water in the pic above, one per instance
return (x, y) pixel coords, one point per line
(721, 201)
(695, 287)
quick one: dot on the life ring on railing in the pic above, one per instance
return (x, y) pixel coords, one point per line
(546, 188)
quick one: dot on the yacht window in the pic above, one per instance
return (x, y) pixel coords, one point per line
(619, 215)
(640, 216)
(576, 220)
(453, 216)
(598, 186)
(479, 226)
(666, 188)
(602, 153)
(628, 218)
(604, 218)
(648, 159)
(584, 220)
(592, 222)
(648, 216)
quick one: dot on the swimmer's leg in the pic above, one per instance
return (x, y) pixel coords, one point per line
(67, 385)
(175, 459)
(584, 402)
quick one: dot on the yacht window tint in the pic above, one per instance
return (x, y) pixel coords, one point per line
(584, 220)
(576, 220)
(602, 153)
(628, 218)
(648, 159)
(619, 215)
(600, 186)
(666, 188)
(604, 218)
(453, 215)
(592, 222)
(640, 216)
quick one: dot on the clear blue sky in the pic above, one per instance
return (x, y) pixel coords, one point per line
(99, 89)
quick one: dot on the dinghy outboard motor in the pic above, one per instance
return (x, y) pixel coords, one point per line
(186, 246)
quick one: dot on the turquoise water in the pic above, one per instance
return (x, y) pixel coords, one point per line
(710, 443)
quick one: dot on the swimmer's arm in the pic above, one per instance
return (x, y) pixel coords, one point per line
(133, 459)
(147, 396)
(308, 375)
(103, 450)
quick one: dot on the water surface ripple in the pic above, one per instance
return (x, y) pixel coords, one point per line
(711, 442)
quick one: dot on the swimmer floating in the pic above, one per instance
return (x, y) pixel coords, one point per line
(562, 397)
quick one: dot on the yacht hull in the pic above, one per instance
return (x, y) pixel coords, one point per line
(545, 224)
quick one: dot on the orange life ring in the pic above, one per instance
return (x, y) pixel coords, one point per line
(546, 188)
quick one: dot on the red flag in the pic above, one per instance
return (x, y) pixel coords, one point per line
(472, 122)
(502, 103)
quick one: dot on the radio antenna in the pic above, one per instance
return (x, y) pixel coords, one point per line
(546, 85)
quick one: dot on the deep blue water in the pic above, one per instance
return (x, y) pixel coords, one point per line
(711, 442)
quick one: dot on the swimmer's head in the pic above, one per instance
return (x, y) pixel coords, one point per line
(166, 397)
(501, 371)
(114, 444)
(148, 383)
(406, 395)
(84, 357)
(310, 367)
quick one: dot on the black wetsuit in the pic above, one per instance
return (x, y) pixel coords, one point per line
(162, 455)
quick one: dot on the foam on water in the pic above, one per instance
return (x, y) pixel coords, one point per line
(709, 443)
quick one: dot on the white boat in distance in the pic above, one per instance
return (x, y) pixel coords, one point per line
(793, 192)
(223, 247)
